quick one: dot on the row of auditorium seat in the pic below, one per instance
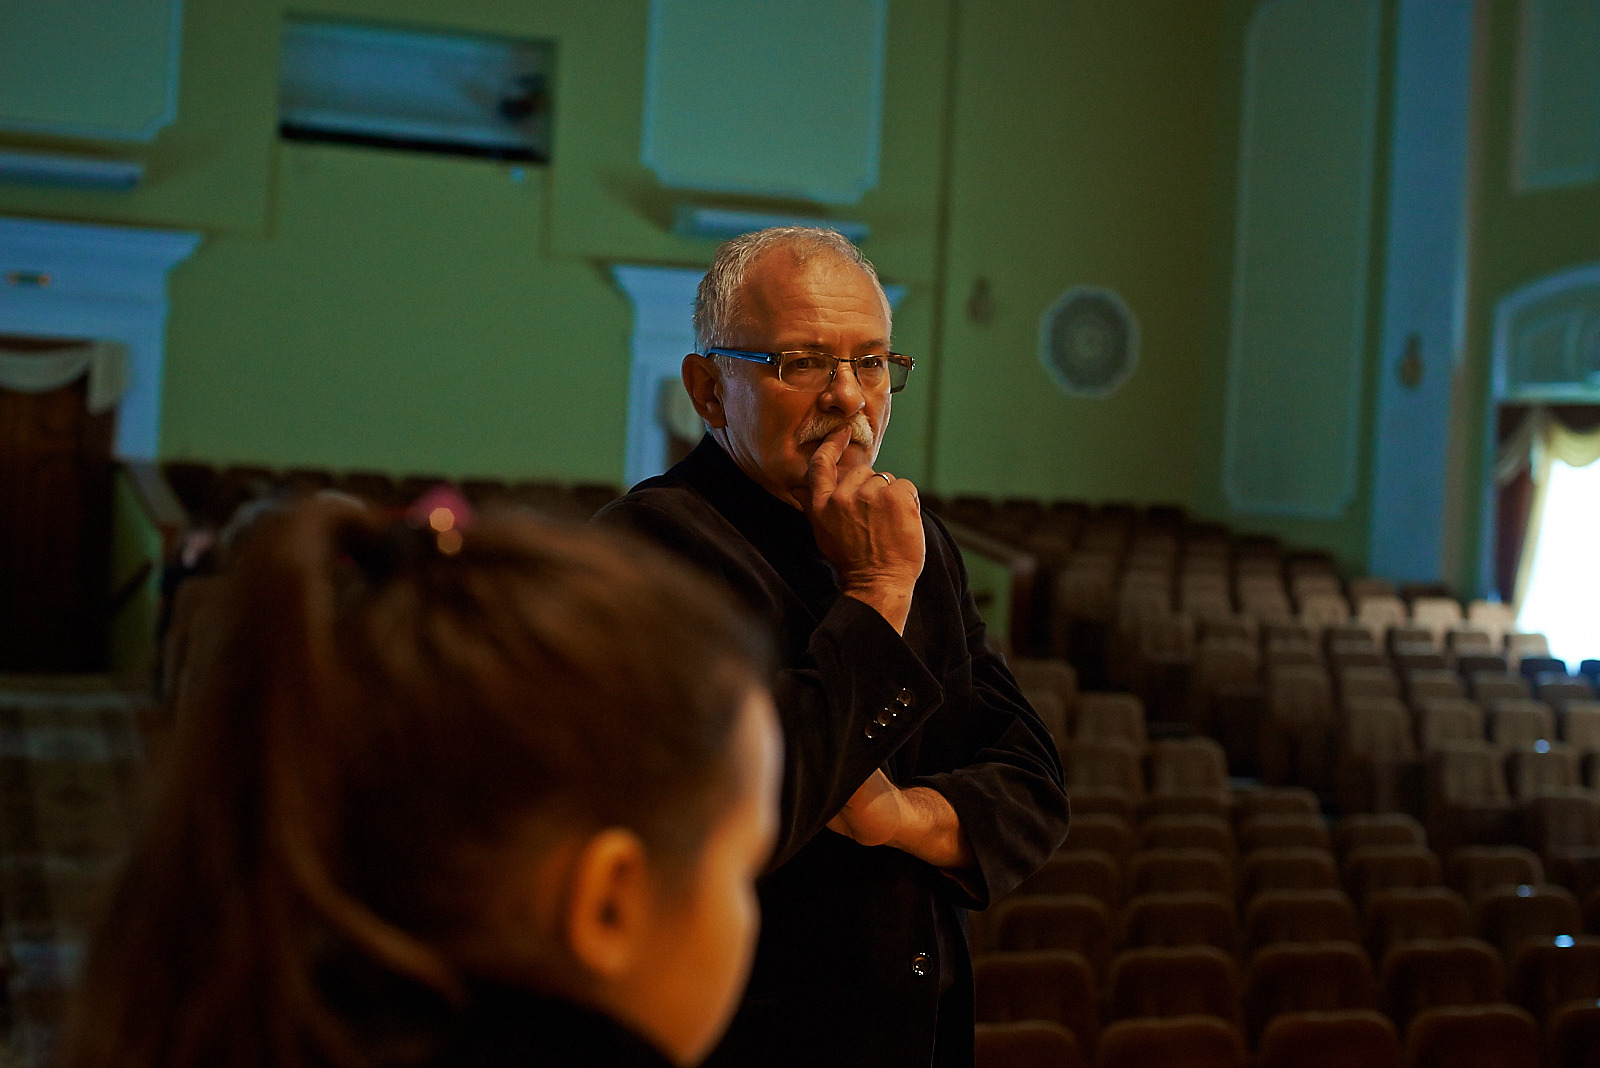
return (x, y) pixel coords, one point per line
(1047, 953)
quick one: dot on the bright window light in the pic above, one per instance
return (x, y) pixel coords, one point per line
(1563, 597)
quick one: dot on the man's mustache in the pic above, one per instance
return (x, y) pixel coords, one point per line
(818, 427)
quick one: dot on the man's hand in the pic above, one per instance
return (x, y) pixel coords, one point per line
(869, 526)
(918, 821)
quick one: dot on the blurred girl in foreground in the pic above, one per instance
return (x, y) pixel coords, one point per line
(484, 800)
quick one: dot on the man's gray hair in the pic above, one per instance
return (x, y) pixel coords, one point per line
(717, 309)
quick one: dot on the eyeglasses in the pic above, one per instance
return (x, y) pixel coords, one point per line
(813, 372)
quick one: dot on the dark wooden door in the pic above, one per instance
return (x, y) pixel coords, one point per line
(55, 530)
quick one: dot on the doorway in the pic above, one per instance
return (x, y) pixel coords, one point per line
(56, 478)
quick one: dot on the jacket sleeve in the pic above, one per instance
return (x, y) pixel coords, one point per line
(1011, 798)
(846, 704)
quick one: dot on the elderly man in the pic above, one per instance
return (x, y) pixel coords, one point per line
(918, 781)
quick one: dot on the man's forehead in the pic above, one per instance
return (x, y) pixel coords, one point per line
(804, 298)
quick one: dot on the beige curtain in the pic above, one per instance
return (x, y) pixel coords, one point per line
(1542, 440)
(105, 362)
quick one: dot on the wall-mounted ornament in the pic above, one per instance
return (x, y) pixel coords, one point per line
(1410, 366)
(1089, 341)
(980, 302)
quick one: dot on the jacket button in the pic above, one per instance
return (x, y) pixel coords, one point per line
(920, 964)
(872, 731)
(905, 698)
(884, 717)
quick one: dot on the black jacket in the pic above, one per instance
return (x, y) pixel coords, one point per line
(508, 1027)
(863, 957)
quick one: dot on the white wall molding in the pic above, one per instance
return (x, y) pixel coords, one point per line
(102, 282)
(663, 333)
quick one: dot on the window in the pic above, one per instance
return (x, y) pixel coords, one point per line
(1563, 596)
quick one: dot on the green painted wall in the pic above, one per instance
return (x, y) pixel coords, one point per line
(1517, 237)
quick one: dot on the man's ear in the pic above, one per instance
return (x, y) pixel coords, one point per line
(609, 906)
(703, 379)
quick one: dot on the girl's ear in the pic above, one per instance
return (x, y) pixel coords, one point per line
(609, 907)
(703, 379)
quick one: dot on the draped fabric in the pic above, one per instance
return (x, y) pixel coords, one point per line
(1570, 434)
(105, 362)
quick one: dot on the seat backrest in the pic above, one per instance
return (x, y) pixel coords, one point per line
(1027, 1044)
(1380, 612)
(1098, 830)
(1091, 872)
(1562, 824)
(1377, 829)
(1299, 694)
(1073, 922)
(1507, 916)
(1405, 914)
(1190, 1041)
(1187, 832)
(1373, 868)
(1189, 766)
(1520, 645)
(1297, 868)
(1223, 662)
(1489, 686)
(1433, 682)
(1182, 918)
(1103, 765)
(1573, 1036)
(1050, 984)
(1307, 977)
(1110, 717)
(1426, 973)
(1560, 694)
(1362, 681)
(1283, 832)
(1153, 870)
(1329, 1039)
(1442, 720)
(1552, 972)
(1471, 639)
(1473, 869)
(1281, 800)
(1376, 729)
(1324, 609)
(1189, 980)
(1047, 674)
(1542, 770)
(1468, 1036)
(1299, 916)
(1520, 721)
(1438, 614)
(1580, 725)
(1465, 773)
(1493, 616)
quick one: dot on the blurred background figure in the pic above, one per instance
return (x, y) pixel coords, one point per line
(494, 799)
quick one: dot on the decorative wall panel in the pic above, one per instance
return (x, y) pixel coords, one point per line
(1302, 247)
(1557, 139)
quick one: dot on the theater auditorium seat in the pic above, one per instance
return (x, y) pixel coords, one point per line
(1154, 870)
(1105, 717)
(1102, 831)
(1173, 982)
(1507, 916)
(1180, 1042)
(1412, 913)
(1299, 916)
(1473, 869)
(1306, 976)
(1425, 974)
(1188, 832)
(1057, 986)
(1282, 800)
(1574, 1035)
(1548, 973)
(1283, 832)
(1441, 721)
(1288, 869)
(1373, 868)
(1482, 1036)
(1077, 871)
(1184, 918)
(1068, 921)
(1356, 1038)
(1032, 1044)
(1377, 829)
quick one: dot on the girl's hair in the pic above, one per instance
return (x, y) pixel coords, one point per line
(379, 718)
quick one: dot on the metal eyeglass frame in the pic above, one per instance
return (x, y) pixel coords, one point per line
(772, 359)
